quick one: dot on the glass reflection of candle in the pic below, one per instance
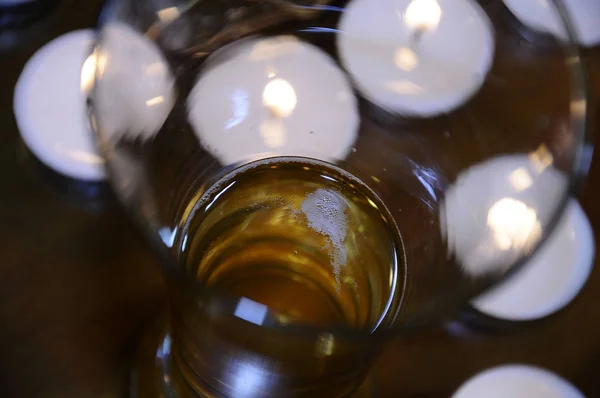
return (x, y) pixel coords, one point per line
(553, 276)
(543, 15)
(495, 212)
(514, 224)
(416, 57)
(273, 96)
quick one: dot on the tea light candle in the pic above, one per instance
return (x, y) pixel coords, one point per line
(543, 16)
(517, 381)
(49, 107)
(495, 212)
(551, 278)
(273, 96)
(416, 57)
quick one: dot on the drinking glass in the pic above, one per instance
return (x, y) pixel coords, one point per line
(319, 176)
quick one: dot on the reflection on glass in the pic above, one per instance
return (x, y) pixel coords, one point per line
(79, 155)
(168, 14)
(240, 106)
(94, 63)
(513, 223)
(272, 132)
(279, 96)
(155, 101)
(406, 59)
(514, 195)
(520, 179)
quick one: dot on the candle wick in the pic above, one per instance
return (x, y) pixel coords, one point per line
(416, 36)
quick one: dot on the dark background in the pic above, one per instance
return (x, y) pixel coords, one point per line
(78, 285)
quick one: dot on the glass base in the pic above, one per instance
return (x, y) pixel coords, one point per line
(152, 377)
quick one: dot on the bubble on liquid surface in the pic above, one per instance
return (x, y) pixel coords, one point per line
(325, 212)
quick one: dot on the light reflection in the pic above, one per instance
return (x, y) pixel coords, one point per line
(217, 196)
(520, 179)
(247, 378)
(168, 14)
(373, 204)
(273, 133)
(514, 224)
(406, 59)
(325, 344)
(251, 311)
(578, 107)
(422, 15)
(541, 158)
(270, 72)
(167, 236)
(184, 243)
(155, 101)
(280, 97)
(403, 87)
(79, 155)
(276, 47)
(240, 104)
(155, 68)
(88, 71)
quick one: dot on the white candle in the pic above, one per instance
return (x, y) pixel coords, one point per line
(416, 57)
(273, 96)
(551, 278)
(542, 15)
(517, 381)
(496, 211)
(49, 106)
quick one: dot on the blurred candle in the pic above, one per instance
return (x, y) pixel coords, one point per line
(551, 278)
(416, 57)
(517, 381)
(496, 211)
(542, 15)
(49, 106)
(273, 96)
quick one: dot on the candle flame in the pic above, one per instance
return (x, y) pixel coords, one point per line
(514, 224)
(423, 15)
(280, 97)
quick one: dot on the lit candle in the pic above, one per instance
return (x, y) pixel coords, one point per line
(542, 15)
(49, 106)
(416, 57)
(273, 96)
(494, 213)
(551, 278)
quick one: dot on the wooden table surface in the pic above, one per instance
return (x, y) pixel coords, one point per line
(78, 285)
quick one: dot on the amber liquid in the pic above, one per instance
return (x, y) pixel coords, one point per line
(305, 239)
